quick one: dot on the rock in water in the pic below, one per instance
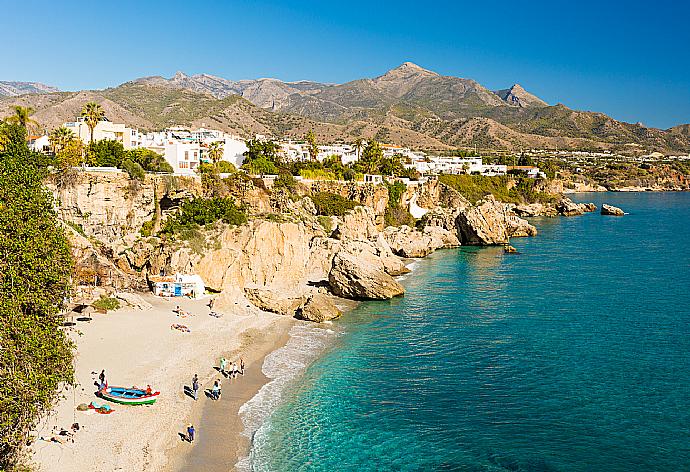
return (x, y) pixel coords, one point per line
(319, 308)
(567, 207)
(358, 278)
(483, 224)
(274, 300)
(611, 210)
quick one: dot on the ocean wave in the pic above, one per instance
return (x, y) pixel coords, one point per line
(283, 365)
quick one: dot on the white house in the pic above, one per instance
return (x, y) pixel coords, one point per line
(178, 285)
(129, 137)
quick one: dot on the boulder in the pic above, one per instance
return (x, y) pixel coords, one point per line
(408, 242)
(567, 207)
(319, 308)
(519, 228)
(356, 277)
(611, 210)
(447, 238)
(358, 223)
(282, 302)
(483, 224)
(590, 207)
(534, 209)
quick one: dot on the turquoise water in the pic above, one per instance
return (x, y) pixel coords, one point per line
(571, 356)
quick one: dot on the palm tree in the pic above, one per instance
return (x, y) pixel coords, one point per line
(92, 114)
(22, 117)
(215, 151)
(358, 144)
(59, 138)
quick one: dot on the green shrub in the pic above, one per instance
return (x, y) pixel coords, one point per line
(134, 170)
(225, 167)
(105, 153)
(332, 204)
(476, 187)
(204, 211)
(76, 227)
(325, 223)
(151, 161)
(317, 174)
(285, 180)
(106, 303)
(147, 228)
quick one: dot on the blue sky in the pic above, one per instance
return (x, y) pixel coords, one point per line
(628, 59)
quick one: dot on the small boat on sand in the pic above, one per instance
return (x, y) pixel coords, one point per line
(128, 396)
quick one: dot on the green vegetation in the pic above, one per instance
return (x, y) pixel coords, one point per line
(92, 113)
(332, 204)
(35, 269)
(149, 160)
(312, 146)
(325, 223)
(134, 170)
(106, 303)
(476, 187)
(105, 153)
(396, 214)
(204, 211)
(22, 117)
(261, 157)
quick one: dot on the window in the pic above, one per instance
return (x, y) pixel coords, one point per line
(186, 155)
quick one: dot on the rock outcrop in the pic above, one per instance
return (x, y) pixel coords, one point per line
(611, 210)
(357, 279)
(319, 308)
(275, 300)
(483, 224)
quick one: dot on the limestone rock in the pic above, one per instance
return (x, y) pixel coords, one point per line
(519, 228)
(358, 278)
(611, 210)
(358, 223)
(567, 207)
(319, 308)
(409, 242)
(274, 300)
(448, 239)
(590, 207)
(534, 209)
(133, 300)
(483, 224)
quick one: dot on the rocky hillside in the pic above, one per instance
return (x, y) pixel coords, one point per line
(407, 105)
(12, 89)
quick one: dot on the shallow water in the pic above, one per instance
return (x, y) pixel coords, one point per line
(571, 356)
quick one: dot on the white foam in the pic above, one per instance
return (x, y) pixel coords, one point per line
(283, 365)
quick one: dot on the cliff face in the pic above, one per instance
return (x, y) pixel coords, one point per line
(294, 264)
(109, 206)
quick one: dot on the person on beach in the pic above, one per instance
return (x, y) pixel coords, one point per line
(234, 370)
(190, 432)
(242, 365)
(223, 365)
(215, 391)
(102, 384)
(177, 309)
(195, 387)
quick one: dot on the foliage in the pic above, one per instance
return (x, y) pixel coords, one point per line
(370, 159)
(92, 114)
(312, 146)
(285, 180)
(106, 303)
(225, 167)
(215, 151)
(326, 223)
(76, 227)
(70, 155)
(261, 157)
(35, 266)
(525, 160)
(4, 137)
(147, 228)
(204, 211)
(105, 153)
(476, 187)
(332, 204)
(261, 166)
(134, 170)
(22, 117)
(395, 214)
(317, 174)
(149, 160)
(60, 138)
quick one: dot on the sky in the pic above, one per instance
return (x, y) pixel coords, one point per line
(628, 59)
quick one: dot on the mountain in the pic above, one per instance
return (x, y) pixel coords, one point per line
(518, 96)
(407, 105)
(13, 89)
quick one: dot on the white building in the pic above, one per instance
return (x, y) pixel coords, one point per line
(129, 137)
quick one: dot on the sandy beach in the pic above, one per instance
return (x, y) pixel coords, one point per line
(138, 347)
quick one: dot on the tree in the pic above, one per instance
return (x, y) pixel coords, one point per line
(371, 157)
(71, 155)
(35, 268)
(525, 160)
(22, 117)
(358, 144)
(148, 159)
(60, 138)
(92, 113)
(4, 137)
(312, 147)
(261, 157)
(105, 153)
(215, 151)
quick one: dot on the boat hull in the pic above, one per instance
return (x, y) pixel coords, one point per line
(128, 396)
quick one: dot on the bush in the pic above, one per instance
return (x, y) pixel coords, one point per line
(476, 187)
(134, 170)
(332, 204)
(105, 153)
(395, 214)
(326, 223)
(149, 160)
(204, 211)
(106, 303)
(285, 180)
(317, 174)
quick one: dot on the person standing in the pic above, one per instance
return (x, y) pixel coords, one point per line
(223, 365)
(215, 391)
(195, 387)
(190, 432)
(234, 370)
(101, 380)
(242, 365)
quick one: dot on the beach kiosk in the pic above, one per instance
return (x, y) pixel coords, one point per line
(178, 285)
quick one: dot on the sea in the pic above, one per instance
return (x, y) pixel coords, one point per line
(572, 355)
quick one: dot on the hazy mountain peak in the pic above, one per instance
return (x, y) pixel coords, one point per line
(518, 96)
(179, 75)
(13, 89)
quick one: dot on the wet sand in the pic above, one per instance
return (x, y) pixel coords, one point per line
(219, 443)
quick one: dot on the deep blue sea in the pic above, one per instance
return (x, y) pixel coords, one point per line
(573, 355)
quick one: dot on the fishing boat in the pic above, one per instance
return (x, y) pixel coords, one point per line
(128, 396)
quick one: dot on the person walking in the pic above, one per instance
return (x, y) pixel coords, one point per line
(215, 391)
(102, 384)
(190, 432)
(234, 370)
(195, 387)
(242, 365)
(223, 365)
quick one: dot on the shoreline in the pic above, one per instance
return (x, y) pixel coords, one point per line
(219, 440)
